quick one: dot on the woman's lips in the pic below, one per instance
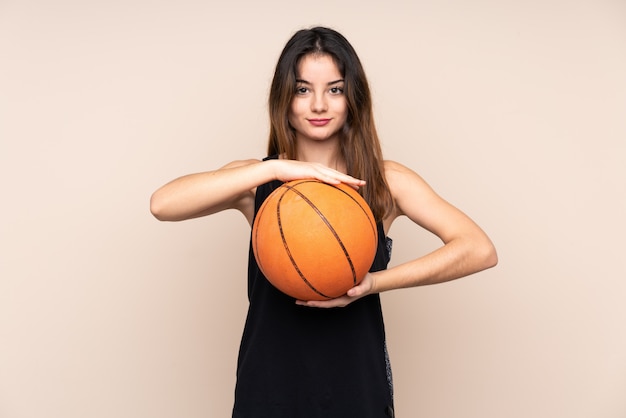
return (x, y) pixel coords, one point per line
(318, 122)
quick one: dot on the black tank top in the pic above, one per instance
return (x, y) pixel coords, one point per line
(301, 362)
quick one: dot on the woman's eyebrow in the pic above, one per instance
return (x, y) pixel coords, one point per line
(299, 80)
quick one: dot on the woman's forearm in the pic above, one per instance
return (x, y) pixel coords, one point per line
(205, 193)
(458, 258)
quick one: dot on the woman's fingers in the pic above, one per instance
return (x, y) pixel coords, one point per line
(288, 170)
(357, 292)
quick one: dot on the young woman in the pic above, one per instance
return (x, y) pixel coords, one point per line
(296, 358)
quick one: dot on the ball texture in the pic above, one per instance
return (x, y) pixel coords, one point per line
(313, 240)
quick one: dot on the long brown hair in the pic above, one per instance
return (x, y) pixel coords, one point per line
(359, 145)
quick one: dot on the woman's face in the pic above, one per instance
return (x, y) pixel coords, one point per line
(319, 109)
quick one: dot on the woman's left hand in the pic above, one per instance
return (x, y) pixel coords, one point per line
(362, 289)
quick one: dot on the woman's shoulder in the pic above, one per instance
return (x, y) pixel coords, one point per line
(391, 165)
(397, 172)
(407, 187)
(400, 178)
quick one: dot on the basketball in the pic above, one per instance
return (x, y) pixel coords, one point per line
(313, 240)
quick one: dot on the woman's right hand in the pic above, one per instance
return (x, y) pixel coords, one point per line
(287, 170)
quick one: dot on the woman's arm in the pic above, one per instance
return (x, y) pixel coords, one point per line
(200, 194)
(233, 187)
(466, 248)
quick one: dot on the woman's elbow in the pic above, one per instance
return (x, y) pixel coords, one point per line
(488, 255)
(157, 207)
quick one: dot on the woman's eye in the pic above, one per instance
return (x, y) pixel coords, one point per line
(301, 90)
(336, 90)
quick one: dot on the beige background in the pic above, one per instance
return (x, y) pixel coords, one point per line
(512, 110)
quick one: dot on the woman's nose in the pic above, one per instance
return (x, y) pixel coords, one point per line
(318, 103)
